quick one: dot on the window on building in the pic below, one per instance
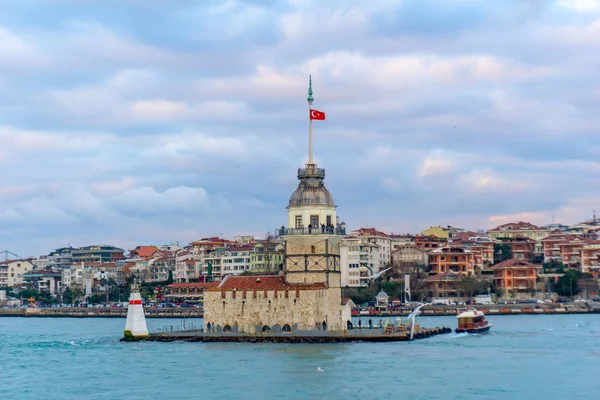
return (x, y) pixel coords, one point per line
(298, 221)
(314, 221)
(328, 220)
(312, 249)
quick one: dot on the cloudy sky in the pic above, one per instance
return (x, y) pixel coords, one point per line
(143, 122)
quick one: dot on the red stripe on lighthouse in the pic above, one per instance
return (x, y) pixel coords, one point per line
(135, 302)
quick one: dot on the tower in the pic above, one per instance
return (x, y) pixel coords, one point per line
(312, 237)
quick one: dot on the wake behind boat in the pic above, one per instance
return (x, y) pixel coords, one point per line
(471, 320)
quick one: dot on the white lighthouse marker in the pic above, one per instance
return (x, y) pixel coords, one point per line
(135, 327)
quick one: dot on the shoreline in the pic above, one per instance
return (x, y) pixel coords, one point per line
(436, 311)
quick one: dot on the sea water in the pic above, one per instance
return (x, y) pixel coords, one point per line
(524, 357)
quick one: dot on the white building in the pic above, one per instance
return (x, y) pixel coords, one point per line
(236, 260)
(359, 260)
(41, 263)
(11, 272)
(371, 235)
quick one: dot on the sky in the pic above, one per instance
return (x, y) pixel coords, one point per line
(130, 123)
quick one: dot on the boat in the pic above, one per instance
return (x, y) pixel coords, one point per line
(471, 320)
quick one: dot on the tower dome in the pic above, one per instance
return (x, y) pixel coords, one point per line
(311, 189)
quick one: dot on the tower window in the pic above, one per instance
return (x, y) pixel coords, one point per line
(314, 221)
(312, 249)
(298, 221)
(328, 220)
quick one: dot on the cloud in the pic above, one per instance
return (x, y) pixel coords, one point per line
(146, 201)
(467, 113)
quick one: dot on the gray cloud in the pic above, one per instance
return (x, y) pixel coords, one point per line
(469, 113)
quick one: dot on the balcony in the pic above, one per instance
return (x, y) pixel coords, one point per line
(311, 231)
(311, 172)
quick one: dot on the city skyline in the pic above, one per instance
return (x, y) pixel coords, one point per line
(163, 123)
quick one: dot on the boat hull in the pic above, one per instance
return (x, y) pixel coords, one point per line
(483, 329)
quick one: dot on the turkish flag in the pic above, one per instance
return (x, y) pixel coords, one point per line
(319, 115)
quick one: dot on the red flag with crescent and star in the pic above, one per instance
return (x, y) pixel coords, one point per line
(318, 115)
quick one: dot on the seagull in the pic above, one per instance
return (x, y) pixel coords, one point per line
(319, 369)
(377, 275)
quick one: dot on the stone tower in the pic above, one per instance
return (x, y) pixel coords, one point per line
(312, 237)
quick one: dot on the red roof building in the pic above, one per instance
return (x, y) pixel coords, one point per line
(516, 276)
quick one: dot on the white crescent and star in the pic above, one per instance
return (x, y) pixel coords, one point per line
(312, 114)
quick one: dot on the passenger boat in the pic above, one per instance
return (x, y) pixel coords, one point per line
(471, 320)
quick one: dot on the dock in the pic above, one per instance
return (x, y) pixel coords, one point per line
(316, 336)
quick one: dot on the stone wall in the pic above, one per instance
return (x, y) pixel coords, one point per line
(302, 309)
(308, 259)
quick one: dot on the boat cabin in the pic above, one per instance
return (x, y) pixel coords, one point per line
(471, 319)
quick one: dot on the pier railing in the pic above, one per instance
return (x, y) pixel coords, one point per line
(192, 329)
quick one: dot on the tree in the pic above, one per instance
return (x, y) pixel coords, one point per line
(502, 252)
(96, 298)
(567, 285)
(554, 266)
(76, 294)
(170, 278)
(67, 295)
(471, 286)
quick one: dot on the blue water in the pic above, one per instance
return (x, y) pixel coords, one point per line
(525, 357)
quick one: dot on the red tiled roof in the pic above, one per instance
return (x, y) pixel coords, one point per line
(369, 232)
(145, 251)
(515, 263)
(264, 282)
(241, 248)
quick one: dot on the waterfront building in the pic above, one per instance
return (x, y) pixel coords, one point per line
(97, 253)
(60, 258)
(188, 292)
(359, 260)
(267, 257)
(570, 251)
(523, 247)
(383, 257)
(452, 258)
(520, 228)
(205, 245)
(410, 254)
(41, 262)
(449, 265)
(516, 277)
(12, 271)
(429, 242)
(441, 232)
(210, 264)
(308, 293)
(400, 240)
(443, 285)
(381, 300)
(550, 248)
(590, 259)
(184, 266)
(47, 280)
(236, 259)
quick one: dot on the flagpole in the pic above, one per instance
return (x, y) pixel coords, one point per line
(310, 101)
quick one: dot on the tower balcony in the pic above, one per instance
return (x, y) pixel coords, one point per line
(332, 230)
(311, 171)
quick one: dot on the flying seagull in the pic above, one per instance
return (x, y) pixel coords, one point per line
(377, 275)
